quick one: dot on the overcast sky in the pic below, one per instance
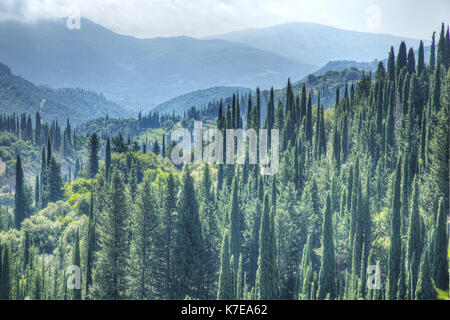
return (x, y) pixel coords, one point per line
(153, 18)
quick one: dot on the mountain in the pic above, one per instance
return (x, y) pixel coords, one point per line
(198, 99)
(317, 44)
(136, 72)
(19, 95)
(342, 65)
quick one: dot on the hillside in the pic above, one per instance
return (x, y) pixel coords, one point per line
(19, 95)
(198, 99)
(317, 44)
(136, 72)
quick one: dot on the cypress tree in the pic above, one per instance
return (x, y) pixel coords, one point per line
(395, 240)
(309, 127)
(235, 220)
(401, 58)
(414, 242)
(93, 155)
(226, 288)
(55, 184)
(91, 245)
(411, 65)
(421, 59)
(76, 262)
(391, 65)
(433, 52)
(107, 159)
(189, 250)
(168, 235)
(156, 149)
(144, 244)
(267, 275)
(327, 275)
(19, 196)
(440, 251)
(5, 285)
(110, 273)
(425, 288)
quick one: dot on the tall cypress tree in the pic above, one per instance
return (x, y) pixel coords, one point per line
(425, 288)
(76, 295)
(267, 286)
(168, 235)
(108, 159)
(5, 284)
(144, 244)
(395, 249)
(94, 146)
(440, 251)
(226, 289)
(90, 247)
(433, 52)
(327, 275)
(189, 250)
(414, 242)
(421, 59)
(235, 227)
(19, 196)
(110, 273)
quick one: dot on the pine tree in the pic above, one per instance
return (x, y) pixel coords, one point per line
(19, 196)
(110, 273)
(327, 275)
(93, 155)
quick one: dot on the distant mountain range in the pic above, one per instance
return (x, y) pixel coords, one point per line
(19, 95)
(317, 44)
(135, 72)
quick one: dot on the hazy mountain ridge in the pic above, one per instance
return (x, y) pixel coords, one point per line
(317, 44)
(128, 70)
(19, 95)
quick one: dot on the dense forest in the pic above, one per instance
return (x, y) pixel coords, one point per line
(362, 186)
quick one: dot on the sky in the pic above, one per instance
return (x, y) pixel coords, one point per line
(197, 18)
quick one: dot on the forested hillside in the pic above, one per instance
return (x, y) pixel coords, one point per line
(18, 95)
(361, 186)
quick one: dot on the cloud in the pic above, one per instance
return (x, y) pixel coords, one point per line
(151, 18)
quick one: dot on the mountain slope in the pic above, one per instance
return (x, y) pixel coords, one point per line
(137, 72)
(198, 99)
(317, 44)
(19, 95)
